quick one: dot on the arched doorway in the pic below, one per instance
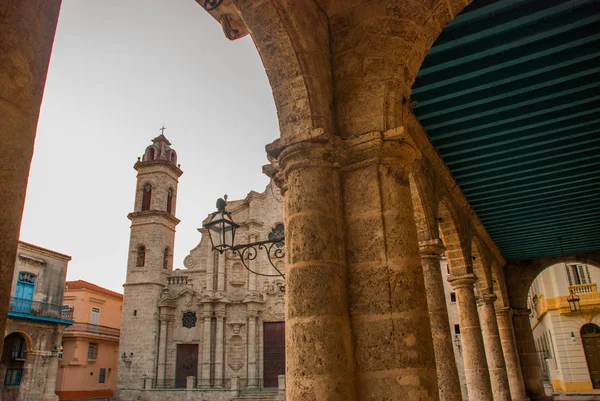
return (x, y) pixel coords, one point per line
(590, 337)
(12, 363)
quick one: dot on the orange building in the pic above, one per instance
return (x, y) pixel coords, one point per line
(88, 367)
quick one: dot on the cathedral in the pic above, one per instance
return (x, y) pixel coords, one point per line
(211, 328)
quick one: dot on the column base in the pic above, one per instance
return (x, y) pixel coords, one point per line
(49, 397)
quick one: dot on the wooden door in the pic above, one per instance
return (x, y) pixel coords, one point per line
(591, 346)
(274, 352)
(187, 363)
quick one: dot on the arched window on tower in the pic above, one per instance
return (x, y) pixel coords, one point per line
(169, 199)
(166, 258)
(147, 197)
(141, 256)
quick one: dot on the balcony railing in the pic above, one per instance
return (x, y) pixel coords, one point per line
(40, 309)
(583, 288)
(94, 329)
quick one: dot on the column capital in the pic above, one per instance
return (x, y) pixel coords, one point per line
(503, 312)
(486, 299)
(314, 148)
(393, 148)
(166, 318)
(464, 281)
(431, 248)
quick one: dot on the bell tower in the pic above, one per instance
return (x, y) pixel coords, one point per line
(149, 263)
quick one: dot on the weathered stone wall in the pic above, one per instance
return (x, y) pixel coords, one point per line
(27, 35)
(41, 335)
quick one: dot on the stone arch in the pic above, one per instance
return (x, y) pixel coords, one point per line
(292, 39)
(499, 287)
(519, 275)
(26, 337)
(427, 227)
(481, 267)
(449, 231)
(367, 53)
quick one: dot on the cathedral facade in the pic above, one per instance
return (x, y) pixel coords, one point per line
(211, 328)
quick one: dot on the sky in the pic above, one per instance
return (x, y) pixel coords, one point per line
(120, 69)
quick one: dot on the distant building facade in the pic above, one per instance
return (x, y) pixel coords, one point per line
(567, 340)
(36, 320)
(88, 367)
(454, 322)
(211, 327)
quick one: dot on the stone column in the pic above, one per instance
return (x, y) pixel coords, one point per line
(394, 355)
(530, 364)
(26, 41)
(206, 346)
(50, 382)
(493, 347)
(219, 347)
(447, 372)
(476, 372)
(252, 371)
(162, 351)
(319, 359)
(511, 355)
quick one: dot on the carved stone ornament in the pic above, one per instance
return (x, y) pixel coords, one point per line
(189, 262)
(236, 327)
(235, 356)
(189, 320)
(272, 287)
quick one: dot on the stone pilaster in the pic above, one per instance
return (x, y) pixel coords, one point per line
(393, 346)
(493, 348)
(252, 277)
(252, 371)
(162, 350)
(221, 274)
(447, 372)
(511, 355)
(320, 363)
(49, 393)
(206, 344)
(219, 349)
(476, 372)
(530, 364)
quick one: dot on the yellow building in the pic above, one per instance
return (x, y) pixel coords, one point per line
(564, 303)
(88, 367)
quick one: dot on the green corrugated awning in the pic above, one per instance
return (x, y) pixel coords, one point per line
(510, 96)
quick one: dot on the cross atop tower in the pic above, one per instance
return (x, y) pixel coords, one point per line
(162, 130)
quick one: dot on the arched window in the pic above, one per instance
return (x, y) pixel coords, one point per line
(147, 197)
(169, 199)
(166, 258)
(141, 256)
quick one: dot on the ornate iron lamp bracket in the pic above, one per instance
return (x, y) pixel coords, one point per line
(273, 249)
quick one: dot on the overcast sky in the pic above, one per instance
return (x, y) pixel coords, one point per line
(119, 70)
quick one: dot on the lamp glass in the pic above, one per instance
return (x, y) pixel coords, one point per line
(221, 230)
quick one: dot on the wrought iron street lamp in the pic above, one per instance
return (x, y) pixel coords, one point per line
(574, 302)
(54, 353)
(221, 230)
